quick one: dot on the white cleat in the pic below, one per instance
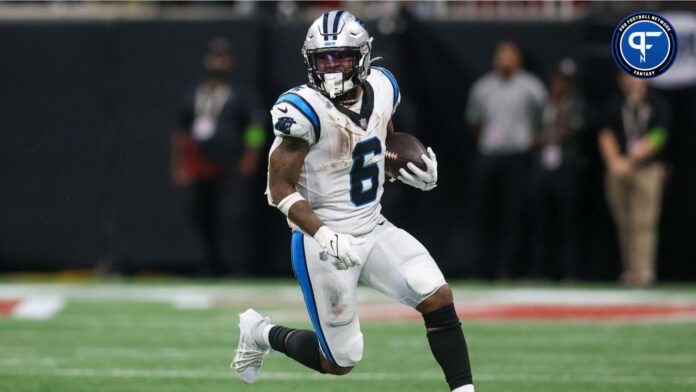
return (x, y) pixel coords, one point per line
(251, 350)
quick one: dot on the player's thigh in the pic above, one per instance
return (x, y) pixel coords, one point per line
(330, 298)
(400, 267)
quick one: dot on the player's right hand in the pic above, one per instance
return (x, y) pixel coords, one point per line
(339, 247)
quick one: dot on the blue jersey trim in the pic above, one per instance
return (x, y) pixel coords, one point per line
(299, 266)
(306, 109)
(391, 78)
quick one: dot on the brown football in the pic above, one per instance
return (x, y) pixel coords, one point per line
(402, 148)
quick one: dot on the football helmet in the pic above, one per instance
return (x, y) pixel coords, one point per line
(337, 53)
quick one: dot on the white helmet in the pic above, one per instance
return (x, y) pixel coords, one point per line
(337, 31)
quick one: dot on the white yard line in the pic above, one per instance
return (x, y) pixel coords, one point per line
(9, 356)
(555, 378)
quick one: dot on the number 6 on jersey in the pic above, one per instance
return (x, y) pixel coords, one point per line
(364, 179)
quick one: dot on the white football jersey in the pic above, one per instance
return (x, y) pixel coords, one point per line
(343, 174)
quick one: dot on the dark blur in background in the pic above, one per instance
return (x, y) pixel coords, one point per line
(92, 92)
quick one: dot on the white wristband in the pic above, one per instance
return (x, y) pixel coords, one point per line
(287, 202)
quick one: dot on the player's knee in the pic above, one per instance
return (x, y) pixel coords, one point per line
(424, 279)
(345, 356)
(441, 298)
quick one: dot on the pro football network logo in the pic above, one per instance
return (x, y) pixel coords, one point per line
(644, 45)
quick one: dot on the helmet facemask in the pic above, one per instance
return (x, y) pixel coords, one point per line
(337, 71)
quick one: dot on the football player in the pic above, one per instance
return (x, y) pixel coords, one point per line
(326, 174)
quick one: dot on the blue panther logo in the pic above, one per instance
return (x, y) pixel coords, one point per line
(284, 124)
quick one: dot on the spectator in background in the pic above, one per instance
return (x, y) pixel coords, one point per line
(631, 142)
(504, 111)
(555, 177)
(215, 151)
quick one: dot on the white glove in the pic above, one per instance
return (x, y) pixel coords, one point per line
(339, 247)
(423, 180)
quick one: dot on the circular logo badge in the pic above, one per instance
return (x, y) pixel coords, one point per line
(644, 45)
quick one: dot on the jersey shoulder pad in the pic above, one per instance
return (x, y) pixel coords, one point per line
(293, 115)
(388, 77)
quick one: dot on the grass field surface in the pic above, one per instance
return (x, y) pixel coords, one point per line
(180, 336)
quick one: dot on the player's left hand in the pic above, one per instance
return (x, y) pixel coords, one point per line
(423, 180)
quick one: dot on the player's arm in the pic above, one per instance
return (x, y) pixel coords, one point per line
(284, 170)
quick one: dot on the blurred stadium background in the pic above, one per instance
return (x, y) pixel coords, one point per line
(105, 285)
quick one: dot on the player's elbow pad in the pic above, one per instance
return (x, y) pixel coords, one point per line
(288, 201)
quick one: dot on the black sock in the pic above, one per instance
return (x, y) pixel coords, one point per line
(277, 336)
(299, 344)
(449, 346)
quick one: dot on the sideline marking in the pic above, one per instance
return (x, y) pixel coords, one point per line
(290, 376)
(32, 308)
(7, 306)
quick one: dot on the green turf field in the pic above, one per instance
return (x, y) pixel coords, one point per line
(180, 337)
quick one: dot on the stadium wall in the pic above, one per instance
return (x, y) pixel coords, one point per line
(88, 108)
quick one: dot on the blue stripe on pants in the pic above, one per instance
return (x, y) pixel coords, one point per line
(299, 265)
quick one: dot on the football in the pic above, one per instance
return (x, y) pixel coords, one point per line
(403, 148)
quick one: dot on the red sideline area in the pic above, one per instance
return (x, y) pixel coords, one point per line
(563, 312)
(548, 312)
(7, 306)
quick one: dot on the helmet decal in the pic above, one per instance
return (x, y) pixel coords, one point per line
(332, 24)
